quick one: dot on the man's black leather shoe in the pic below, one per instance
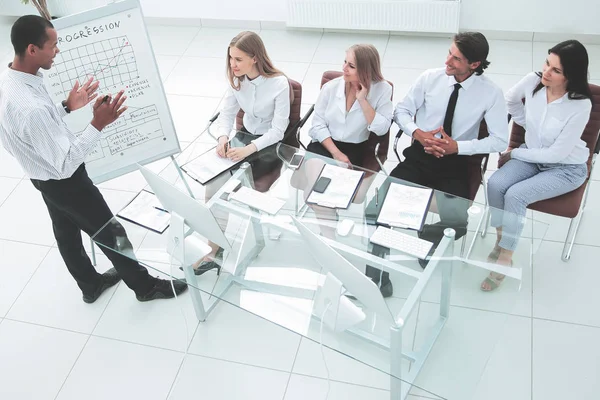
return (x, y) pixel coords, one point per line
(109, 278)
(162, 290)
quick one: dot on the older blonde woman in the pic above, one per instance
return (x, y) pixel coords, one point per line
(350, 107)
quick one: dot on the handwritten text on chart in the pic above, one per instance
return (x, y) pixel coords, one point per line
(142, 113)
(115, 125)
(137, 89)
(88, 31)
(96, 153)
(134, 136)
(135, 115)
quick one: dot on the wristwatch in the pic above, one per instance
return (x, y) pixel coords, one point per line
(64, 104)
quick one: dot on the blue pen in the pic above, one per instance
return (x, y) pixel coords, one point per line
(161, 209)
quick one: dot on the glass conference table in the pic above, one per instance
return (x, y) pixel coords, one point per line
(436, 332)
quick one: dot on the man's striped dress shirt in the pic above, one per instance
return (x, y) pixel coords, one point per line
(33, 131)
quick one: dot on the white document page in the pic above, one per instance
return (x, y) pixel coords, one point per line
(405, 206)
(256, 199)
(340, 190)
(207, 166)
(146, 210)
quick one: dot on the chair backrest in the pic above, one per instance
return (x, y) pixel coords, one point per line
(295, 104)
(477, 164)
(289, 137)
(384, 141)
(589, 135)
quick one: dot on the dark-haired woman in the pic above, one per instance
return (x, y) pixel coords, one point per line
(552, 161)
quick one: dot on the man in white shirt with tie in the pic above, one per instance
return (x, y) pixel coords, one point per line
(442, 112)
(32, 131)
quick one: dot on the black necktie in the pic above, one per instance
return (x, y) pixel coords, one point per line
(450, 110)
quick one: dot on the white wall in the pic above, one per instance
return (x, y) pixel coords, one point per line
(15, 7)
(56, 7)
(548, 16)
(249, 10)
(502, 15)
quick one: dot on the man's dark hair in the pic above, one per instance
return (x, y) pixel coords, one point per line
(29, 29)
(474, 46)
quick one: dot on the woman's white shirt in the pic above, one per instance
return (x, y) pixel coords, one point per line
(266, 105)
(330, 118)
(552, 130)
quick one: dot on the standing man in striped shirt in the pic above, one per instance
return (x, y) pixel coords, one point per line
(32, 131)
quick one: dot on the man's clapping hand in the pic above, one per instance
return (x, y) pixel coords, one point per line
(108, 109)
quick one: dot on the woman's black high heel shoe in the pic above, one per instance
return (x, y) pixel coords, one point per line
(206, 266)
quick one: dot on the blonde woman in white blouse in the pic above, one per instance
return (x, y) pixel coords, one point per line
(350, 107)
(552, 161)
(258, 88)
(263, 92)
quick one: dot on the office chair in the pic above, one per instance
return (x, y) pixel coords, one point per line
(377, 146)
(289, 137)
(569, 205)
(477, 165)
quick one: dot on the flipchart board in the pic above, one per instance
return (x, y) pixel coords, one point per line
(111, 43)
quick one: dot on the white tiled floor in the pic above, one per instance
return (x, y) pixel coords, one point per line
(53, 346)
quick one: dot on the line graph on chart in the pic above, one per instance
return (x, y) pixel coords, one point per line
(111, 61)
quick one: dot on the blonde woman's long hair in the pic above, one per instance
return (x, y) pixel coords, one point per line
(368, 64)
(251, 44)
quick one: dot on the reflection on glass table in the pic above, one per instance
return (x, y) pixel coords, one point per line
(432, 328)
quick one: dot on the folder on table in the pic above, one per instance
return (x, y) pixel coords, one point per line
(340, 191)
(405, 206)
(145, 210)
(208, 166)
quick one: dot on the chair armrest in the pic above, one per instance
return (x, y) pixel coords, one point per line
(375, 154)
(292, 130)
(214, 117)
(301, 124)
(210, 122)
(306, 116)
(400, 132)
(484, 164)
(597, 148)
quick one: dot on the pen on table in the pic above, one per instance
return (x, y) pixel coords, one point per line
(161, 209)
(376, 197)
